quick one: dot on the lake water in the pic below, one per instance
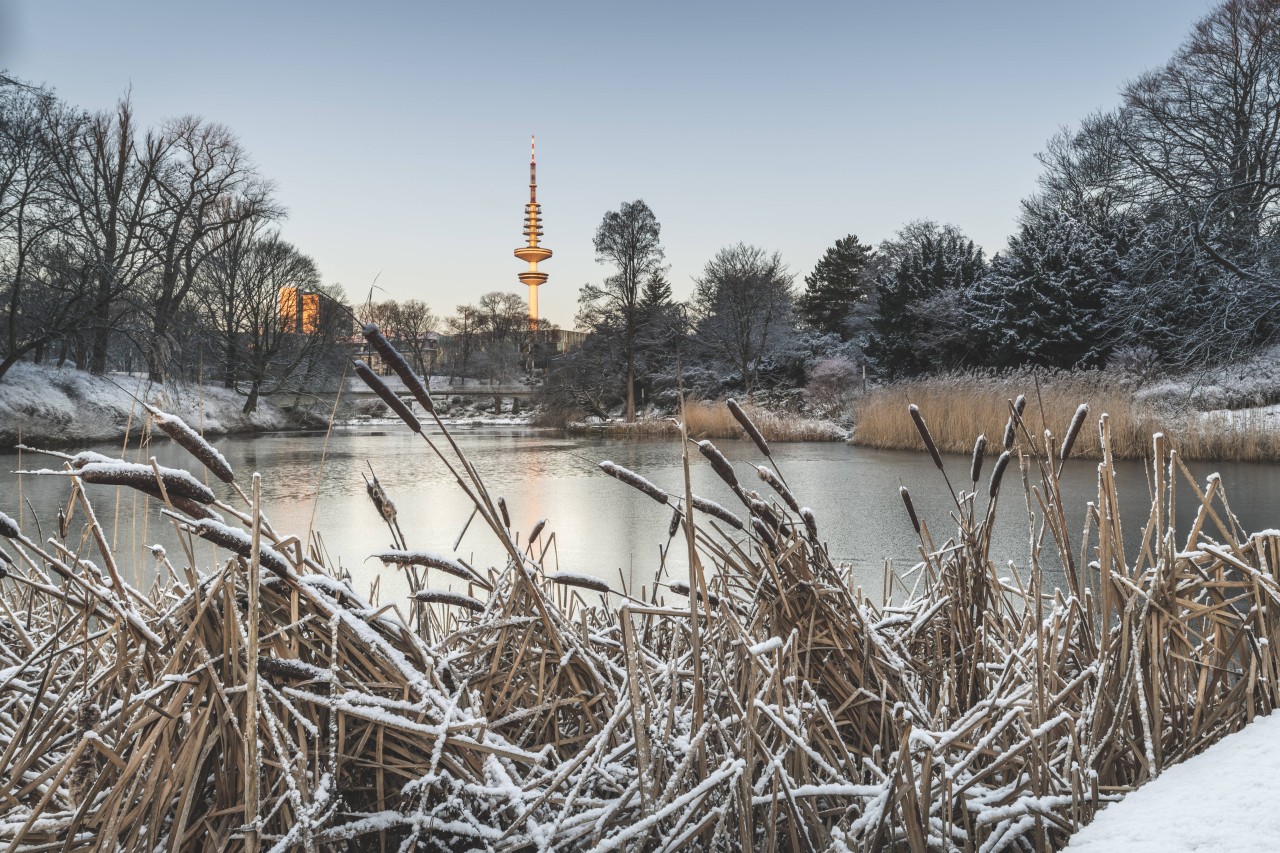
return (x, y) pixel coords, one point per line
(600, 526)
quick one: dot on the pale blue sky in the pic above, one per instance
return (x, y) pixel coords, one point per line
(397, 132)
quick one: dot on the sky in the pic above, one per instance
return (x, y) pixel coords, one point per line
(397, 133)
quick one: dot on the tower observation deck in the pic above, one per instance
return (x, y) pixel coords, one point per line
(533, 253)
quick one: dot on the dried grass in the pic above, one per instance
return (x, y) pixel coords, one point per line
(773, 706)
(963, 406)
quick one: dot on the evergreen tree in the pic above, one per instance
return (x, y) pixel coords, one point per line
(837, 286)
(1045, 300)
(927, 268)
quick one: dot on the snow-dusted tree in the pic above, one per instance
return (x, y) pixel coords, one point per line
(925, 268)
(628, 239)
(743, 305)
(1044, 300)
(839, 284)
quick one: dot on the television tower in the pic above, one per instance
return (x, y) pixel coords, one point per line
(533, 253)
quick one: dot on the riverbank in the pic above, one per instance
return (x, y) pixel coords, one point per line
(705, 419)
(1224, 415)
(58, 407)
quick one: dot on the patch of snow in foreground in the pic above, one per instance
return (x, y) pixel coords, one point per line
(1221, 800)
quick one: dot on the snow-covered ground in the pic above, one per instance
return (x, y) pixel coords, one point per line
(1222, 800)
(52, 405)
(1251, 383)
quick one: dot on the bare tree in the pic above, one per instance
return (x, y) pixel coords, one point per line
(108, 178)
(224, 291)
(274, 346)
(628, 239)
(413, 326)
(205, 184)
(41, 282)
(464, 329)
(742, 305)
(1204, 131)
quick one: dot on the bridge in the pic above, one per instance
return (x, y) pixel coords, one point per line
(355, 387)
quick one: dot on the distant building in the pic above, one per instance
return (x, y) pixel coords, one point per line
(299, 311)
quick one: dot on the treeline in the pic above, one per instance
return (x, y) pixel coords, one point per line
(491, 340)
(1150, 242)
(124, 248)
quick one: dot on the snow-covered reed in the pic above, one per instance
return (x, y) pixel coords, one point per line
(767, 704)
(964, 405)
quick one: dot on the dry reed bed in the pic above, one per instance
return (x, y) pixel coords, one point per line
(703, 419)
(773, 706)
(963, 406)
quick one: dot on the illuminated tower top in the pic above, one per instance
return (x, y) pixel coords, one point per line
(533, 253)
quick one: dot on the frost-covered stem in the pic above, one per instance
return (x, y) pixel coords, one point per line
(251, 804)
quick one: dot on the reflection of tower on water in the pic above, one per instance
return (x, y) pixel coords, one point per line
(533, 253)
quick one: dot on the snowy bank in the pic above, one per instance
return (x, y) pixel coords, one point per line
(52, 405)
(1222, 799)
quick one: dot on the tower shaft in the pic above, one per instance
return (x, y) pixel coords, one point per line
(532, 253)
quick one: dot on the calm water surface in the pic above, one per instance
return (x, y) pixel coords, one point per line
(600, 526)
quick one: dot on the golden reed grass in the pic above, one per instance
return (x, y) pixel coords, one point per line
(963, 406)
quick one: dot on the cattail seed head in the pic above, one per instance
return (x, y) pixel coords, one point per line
(537, 530)
(455, 599)
(714, 510)
(239, 543)
(719, 463)
(393, 359)
(740, 415)
(634, 480)
(427, 560)
(911, 509)
(581, 581)
(765, 513)
(997, 473)
(676, 517)
(766, 535)
(1010, 428)
(975, 465)
(925, 435)
(775, 482)
(9, 527)
(381, 501)
(1077, 422)
(502, 508)
(374, 381)
(177, 482)
(194, 443)
(810, 522)
(682, 588)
